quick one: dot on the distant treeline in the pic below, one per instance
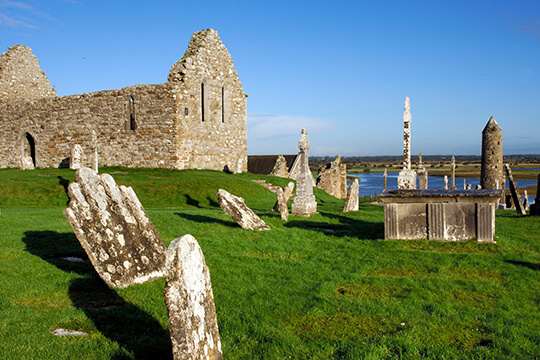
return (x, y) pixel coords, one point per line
(388, 160)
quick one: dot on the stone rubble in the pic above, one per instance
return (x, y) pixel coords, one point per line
(190, 302)
(114, 230)
(332, 178)
(236, 208)
(351, 204)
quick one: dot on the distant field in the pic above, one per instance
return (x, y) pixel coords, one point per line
(324, 287)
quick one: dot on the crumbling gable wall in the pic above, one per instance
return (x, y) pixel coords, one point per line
(21, 76)
(212, 106)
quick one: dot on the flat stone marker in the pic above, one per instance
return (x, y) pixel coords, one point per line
(190, 302)
(236, 208)
(76, 158)
(114, 230)
(351, 204)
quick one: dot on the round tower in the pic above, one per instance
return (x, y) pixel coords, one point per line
(491, 176)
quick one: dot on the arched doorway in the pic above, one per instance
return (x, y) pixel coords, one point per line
(28, 147)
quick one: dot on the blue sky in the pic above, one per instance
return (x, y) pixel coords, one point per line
(341, 69)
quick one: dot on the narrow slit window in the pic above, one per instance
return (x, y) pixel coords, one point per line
(203, 102)
(223, 104)
(132, 123)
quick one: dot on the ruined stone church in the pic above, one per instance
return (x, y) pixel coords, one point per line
(197, 119)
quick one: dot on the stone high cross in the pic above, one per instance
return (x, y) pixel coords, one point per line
(304, 203)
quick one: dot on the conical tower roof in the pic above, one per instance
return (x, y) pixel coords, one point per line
(491, 126)
(21, 76)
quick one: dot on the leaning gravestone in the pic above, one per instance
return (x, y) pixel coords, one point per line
(190, 302)
(351, 204)
(287, 193)
(514, 190)
(114, 230)
(236, 208)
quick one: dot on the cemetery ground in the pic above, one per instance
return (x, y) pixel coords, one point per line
(322, 287)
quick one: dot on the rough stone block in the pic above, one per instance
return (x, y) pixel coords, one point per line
(190, 302)
(351, 203)
(236, 208)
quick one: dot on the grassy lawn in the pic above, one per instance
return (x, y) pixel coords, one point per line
(324, 287)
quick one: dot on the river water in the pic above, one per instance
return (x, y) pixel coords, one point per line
(373, 183)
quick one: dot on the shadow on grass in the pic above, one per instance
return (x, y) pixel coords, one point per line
(535, 267)
(346, 227)
(65, 184)
(206, 219)
(135, 330)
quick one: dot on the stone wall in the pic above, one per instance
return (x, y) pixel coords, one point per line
(57, 124)
(197, 119)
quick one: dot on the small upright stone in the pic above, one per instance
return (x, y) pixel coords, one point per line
(445, 182)
(525, 199)
(76, 158)
(304, 203)
(282, 204)
(351, 204)
(385, 178)
(236, 208)
(114, 230)
(27, 163)
(190, 302)
(514, 190)
(287, 193)
(422, 174)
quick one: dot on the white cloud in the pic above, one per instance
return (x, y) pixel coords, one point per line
(8, 21)
(15, 4)
(263, 126)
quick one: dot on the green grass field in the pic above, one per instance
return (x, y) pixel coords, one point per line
(324, 287)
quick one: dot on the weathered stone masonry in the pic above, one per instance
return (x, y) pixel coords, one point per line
(197, 119)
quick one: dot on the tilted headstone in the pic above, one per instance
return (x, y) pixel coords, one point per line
(280, 167)
(514, 190)
(351, 204)
(304, 203)
(282, 204)
(190, 302)
(332, 178)
(407, 177)
(525, 199)
(114, 230)
(287, 193)
(236, 208)
(76, 158)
